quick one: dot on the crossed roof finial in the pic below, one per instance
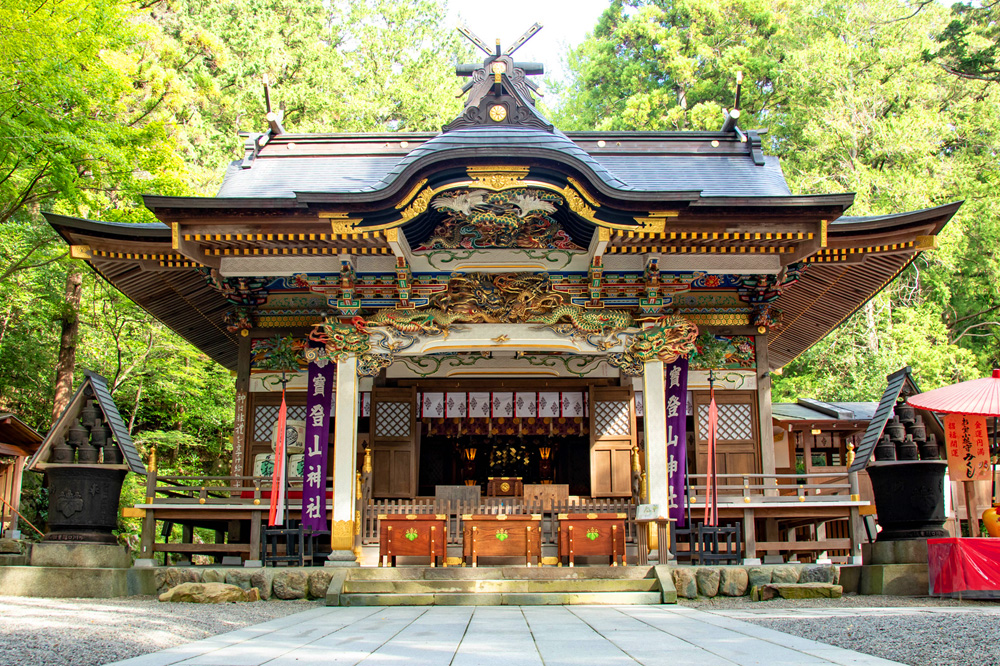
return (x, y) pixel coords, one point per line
(475, 39)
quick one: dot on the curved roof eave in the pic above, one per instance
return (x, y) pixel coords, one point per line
(861, 223)
(111, 230)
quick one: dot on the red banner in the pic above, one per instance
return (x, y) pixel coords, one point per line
(277, 514)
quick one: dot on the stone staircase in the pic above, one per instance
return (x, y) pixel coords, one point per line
(505, 586)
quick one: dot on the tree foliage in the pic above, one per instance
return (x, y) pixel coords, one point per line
(104, 100)
(851, 103)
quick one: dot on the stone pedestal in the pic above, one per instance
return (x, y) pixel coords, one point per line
(85, 555)
(341, 558)
(71, 570)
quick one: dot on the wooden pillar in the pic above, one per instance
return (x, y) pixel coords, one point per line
(854, 524)
(344, 461)
(148, 537)
(772, 533)
(256, 518)
(765, 423)
(16, 472)
(749, 535)
(655, 435)
(238, 463)
(971, 509)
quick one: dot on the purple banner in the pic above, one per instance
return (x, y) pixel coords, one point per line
(318, 406)
(677, 380)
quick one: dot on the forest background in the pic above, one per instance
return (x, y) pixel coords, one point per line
(102, 101)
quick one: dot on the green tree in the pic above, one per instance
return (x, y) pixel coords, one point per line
(852, 104)
(671, 65)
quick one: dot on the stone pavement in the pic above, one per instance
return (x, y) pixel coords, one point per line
(504, 636)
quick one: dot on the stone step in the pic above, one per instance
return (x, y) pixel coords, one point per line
(500, 573)
(503, 599)
(353, 586)
(796, 591)
(12, 560)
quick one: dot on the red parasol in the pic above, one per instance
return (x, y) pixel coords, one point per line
(978, 397)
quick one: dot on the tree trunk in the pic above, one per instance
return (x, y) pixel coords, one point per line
(67, 342)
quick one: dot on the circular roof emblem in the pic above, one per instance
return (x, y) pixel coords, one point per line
(498, 112)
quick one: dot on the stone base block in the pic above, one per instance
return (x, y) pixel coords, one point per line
(668, 592)
(68, 582)
(850, 578)
(798, 591)
(341, 558)
(905, 580)
(909, 551)
(84, 555)
(8, 560)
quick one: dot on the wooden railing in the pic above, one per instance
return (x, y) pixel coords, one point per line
(455, 509)
(736, 488)
(173, 489)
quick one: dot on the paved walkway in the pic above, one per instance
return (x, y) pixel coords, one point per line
(504, 636)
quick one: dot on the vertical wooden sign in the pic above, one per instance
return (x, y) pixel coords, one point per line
(968, 447)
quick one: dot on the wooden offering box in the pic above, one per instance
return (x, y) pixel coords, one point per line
(503, 535)
(504, 486)
(599, 534)
(410, 535)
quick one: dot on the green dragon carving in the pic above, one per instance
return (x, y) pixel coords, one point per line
(583, 321)
(430, 321)
(674, 337)
(340, 340)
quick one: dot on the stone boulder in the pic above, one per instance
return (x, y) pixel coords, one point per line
(10, 547)
(708, 581)
(319, 581)
(291, 584)
(170, 577)
(209, 593)
(263, 580)
(785, 574)
(684, 581)
(241, 578)
(818, 573)
(213, 576)
(733, 582)
(758, 576)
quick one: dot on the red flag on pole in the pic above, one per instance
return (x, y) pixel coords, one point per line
(277, 515)
(711, 490)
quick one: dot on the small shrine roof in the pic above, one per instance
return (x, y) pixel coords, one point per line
(816, 410)
(16, 437)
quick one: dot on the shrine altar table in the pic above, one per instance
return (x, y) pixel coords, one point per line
(597, 534)
(502, 535)
(410, 535)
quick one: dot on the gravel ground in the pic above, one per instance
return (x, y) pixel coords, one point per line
(917, 631)
(89, 632)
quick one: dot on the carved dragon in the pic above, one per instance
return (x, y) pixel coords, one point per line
(673, 337)
(509, 218)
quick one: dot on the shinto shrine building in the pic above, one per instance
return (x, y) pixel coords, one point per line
(499, 306)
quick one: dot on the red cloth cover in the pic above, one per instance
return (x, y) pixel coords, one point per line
(965, 566)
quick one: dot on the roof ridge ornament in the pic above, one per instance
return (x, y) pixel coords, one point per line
(499, 92)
